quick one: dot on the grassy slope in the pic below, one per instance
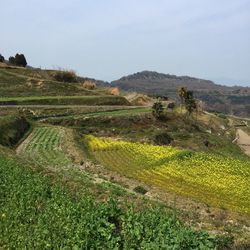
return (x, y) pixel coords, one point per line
(34, 86)
(43, 208)
(64, 100)
(12, 129)
(20, 84)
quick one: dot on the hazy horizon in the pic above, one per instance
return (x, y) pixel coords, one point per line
(107, 40)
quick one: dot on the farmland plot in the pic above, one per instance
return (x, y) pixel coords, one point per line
(210, 178)
(44, 147)
(36, 214)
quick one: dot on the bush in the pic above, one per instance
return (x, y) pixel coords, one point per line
(12, 60)
(221, 115)
(89, 85)
(140, 190)
(171, 105)
(163, 139)
(65, 76)
(157, 110)
(184, 154)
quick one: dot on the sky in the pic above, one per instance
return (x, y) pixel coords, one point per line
(107, 39)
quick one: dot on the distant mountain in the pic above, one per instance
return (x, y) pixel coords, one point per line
(234, 100)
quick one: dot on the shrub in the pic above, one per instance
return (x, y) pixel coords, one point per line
(140, 190)
(163, 139)
(221, 115)
(65, 76)
(157, 109)
(184, 154)
(89, 85)
(171, 105)
(12, 60)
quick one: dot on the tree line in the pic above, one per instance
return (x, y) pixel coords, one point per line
(17, 60)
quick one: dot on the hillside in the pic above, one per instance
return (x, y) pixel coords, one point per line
(234, 100)
(25, 86)
(108, 168)
(83, 169)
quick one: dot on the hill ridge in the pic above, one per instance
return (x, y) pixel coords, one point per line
(219, 98)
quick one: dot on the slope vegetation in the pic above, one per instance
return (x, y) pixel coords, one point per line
(12, 129)
(35, 86)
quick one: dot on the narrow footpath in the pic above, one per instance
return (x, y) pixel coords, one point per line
(243, 141)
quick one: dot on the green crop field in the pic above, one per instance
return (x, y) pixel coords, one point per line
(44, 147)
(208, 177)
(36, 214)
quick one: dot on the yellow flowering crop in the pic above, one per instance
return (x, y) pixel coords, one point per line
(210, 178)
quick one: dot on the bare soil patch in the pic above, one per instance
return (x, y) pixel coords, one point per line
(243, 141)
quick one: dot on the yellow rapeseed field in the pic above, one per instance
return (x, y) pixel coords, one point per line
(210, 178)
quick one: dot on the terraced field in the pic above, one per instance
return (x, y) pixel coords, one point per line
(44, 147)
(211, 178)
(112, 112)
(65, 100)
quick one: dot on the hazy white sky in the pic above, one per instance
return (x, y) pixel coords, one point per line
(107, 39)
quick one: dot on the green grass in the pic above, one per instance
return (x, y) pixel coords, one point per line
(35, 214)
(64, 100)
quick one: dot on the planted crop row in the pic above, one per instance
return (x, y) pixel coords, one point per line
(35, 214)
(44, 147)
(210, 178)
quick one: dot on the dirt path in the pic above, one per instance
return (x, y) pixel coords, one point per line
(243, 141)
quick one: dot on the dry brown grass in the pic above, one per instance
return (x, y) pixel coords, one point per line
(64, 75)
(7, 66)
(89, 85)
(114, 91)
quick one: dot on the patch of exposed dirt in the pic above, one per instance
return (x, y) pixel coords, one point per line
(139, 99)
(23, 145)
(69, 145)
(243, 140)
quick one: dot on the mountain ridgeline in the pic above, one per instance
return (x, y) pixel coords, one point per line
(231, 100)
